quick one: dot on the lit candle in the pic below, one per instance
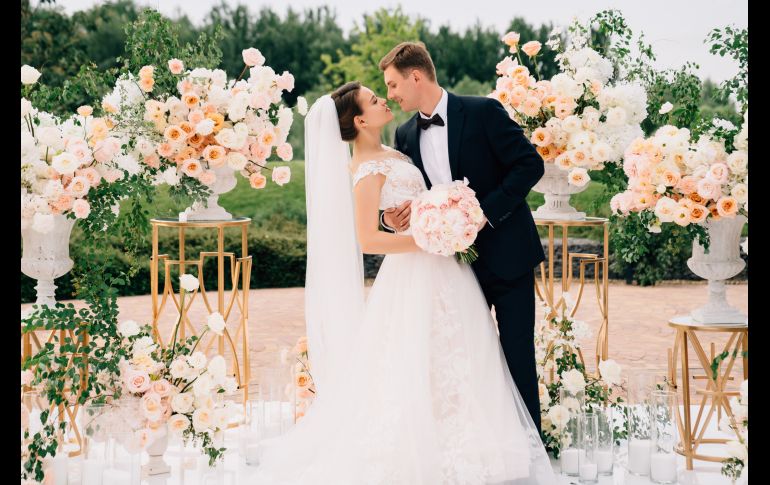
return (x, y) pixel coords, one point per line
(92, 471)
(183, 217)
(663, 467)
(604, 460)
(588, 471)
(569, 461)
(114, 476)
(639, 457)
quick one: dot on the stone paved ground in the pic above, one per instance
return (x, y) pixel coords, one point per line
(639, 335)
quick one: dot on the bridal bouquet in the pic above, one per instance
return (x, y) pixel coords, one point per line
(672, 179)
(580, 119)
(445, 220)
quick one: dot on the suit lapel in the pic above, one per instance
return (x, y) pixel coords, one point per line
(413, 142)
(455, 122)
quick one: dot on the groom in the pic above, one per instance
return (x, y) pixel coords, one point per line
(451, 137)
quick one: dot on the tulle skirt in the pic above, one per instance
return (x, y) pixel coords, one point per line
(424, 397)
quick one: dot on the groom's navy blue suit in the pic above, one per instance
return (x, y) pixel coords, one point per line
(501, 165)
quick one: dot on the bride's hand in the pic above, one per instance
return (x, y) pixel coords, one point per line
(398, 217)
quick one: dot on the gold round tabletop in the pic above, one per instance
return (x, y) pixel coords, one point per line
(588, 221)
(174, 222)
(686, 322)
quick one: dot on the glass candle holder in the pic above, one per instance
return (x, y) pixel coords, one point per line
(640, 386)
(276, 393)
(605, 448)
(663, 433)
(570, 453)
(589, 440)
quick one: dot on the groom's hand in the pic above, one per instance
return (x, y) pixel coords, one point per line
(398, 217)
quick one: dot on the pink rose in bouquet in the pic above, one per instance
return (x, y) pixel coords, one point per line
(445, 220)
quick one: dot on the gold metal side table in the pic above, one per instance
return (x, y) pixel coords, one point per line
(692, 435)
(544, 289)
(240, 271)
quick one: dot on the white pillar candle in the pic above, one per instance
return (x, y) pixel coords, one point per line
(58, 465)
(92, 470)
(639, 457)
(114, 476)
(588, 471)
(252, 454)
(663, 467)
(604, 460)
(569, 461)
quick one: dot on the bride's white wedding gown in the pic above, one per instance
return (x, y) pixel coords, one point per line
(426, 396)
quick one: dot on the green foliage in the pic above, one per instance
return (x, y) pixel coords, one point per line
(733, 42)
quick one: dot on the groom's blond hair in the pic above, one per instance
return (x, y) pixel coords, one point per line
(407, 56)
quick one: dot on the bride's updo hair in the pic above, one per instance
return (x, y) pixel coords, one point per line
(346, 102)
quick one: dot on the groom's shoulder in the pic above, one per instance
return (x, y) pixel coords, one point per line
(475, 103)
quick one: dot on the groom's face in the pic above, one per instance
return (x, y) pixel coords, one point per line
(401, 89)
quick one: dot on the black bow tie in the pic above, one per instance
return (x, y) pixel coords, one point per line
(425, 123)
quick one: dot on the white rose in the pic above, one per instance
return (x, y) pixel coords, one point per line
(29, 75)
(231, 385)
(559, 416)
(227, 138)
(170, 176)
(217, 369)
(128, 328)
(616, 116)
(202, 419)
(236, 160)
(302, 105)
(205, 127)
(65, 163)
(188, 282)
(737, 162)
(179, 368)
(571, 124)
(216, 323)
(573, 381)
(26, 107)
(203, 385)
(666, 108)
(741, 193)
(197, 360)
(182, 403)
(178, 423)
(610, 372)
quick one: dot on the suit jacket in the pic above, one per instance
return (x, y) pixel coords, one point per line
(491, 150)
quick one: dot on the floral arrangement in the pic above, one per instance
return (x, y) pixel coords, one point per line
(304, 387)
(736, 467)
(445, 220)
(62, 161)
(673, 179)
(208, 125)
(558, 366)
(578, 120)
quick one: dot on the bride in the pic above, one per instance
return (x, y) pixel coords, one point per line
(412, 384)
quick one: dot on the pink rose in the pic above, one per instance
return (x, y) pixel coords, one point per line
(166, 150)
(511, 39)
(152, 160)
(719, 173)
(208, 177)
(162, 387)
(709, 189)
(105, 150)
(531, 48)
(284, 151)
(252, 57)
(196, 116)
(257, 181)
(112, 175)
(687, 185)
(136, 381)
(192, 167)
(81, 208)
(281, 175)
(259, 100)
(285, 81)
(505, 65)
(259, 152)
(175, 66)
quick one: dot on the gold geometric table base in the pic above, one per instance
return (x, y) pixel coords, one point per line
(714, 395)
(240, 272)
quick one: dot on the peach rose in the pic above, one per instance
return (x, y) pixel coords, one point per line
(503, 97)
(190, 99)
(259, 152)
(541, 137)
(178, 423)
(302, 380)
(166, 150)
(257, 181)
(174, 134)
(161, 387)
(208, 177)
(146, 84)
(671, 178)
(531, 106)
(727, 206)
(682, 216)
(81, 208)
(63, 203)
(78, 187)
(176, 66)
(687, 185)
(531, 48)
(217, 118)
(267, 137)
(285, 152)
(146, 71)
(85, 111)
(136, 381)
(152, 160)
(281, 175)
(215, 155)
(511, 39)
(195, 116)
(192, 168)
(698, 213)
(151, 407)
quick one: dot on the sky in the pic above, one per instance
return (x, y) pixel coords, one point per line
(675, 28)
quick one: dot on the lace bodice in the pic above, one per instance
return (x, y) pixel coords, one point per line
(403, 180)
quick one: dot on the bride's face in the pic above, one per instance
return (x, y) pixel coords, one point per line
(376, 113)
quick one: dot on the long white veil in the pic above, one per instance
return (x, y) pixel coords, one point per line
(334, 282)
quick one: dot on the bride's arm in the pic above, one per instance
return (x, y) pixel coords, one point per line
(370, 238)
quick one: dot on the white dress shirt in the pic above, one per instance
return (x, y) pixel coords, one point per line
(434, 145)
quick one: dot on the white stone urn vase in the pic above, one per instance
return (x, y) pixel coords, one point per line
(557, 190)
(46, 256)
(224, 183)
